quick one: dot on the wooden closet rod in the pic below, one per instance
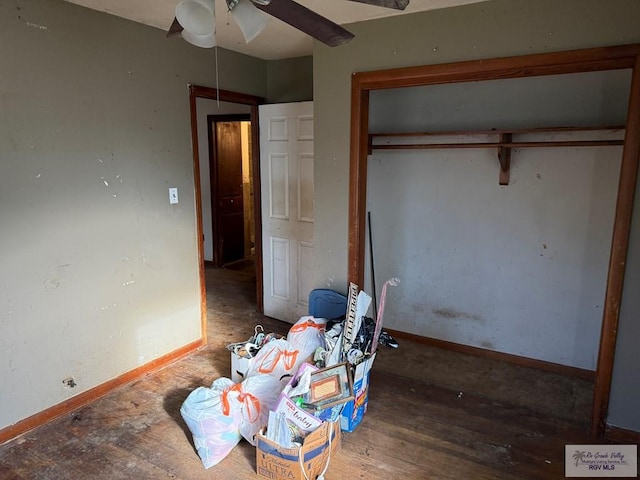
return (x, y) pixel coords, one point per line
(567, 143)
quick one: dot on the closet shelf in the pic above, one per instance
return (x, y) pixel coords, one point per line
(567, 143)
(504, 144)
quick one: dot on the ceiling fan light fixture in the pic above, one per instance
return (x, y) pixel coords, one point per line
(250, 20)
(202, 41)
(197, 17)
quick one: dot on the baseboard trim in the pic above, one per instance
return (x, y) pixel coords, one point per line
(73, 403)
(505, 357)
(621, 435)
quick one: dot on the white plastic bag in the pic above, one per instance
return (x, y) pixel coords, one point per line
(258, 395)
(213, 416)
(277, 358)
(306, 335)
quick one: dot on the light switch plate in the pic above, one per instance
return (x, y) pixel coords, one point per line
(173, 195)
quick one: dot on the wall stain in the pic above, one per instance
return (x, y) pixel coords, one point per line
(417, 308)
(52, 283)
(35, 25)
(31, 24)
(452, 314)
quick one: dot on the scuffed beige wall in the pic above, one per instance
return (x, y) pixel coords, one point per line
(99, 273)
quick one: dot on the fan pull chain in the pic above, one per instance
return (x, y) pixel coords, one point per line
(217, 79)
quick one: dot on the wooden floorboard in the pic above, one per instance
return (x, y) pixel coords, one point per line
(464, 431)
(7, 473)
(416, 427)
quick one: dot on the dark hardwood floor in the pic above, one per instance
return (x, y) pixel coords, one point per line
(417, 426)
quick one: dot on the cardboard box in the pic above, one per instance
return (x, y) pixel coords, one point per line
(277, 463)
(354, 411)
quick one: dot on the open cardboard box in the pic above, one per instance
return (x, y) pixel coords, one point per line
(299, 463)
(354, 411)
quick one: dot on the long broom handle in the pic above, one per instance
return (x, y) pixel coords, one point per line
(373, 271)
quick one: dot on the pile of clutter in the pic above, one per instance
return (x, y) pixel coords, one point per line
(291, 397)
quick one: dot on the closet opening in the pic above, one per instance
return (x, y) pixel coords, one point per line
(365, 87)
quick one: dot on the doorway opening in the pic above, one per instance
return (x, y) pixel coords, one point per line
(248, 105)
(231, 177)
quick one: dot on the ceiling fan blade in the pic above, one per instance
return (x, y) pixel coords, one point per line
(175, 29)
(306, 21)
(396, 4)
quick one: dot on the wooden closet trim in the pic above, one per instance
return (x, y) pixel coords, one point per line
(575, 61)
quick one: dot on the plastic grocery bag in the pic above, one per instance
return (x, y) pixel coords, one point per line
(277, 358)
(213, 416)
(306, 335)
(258, 395)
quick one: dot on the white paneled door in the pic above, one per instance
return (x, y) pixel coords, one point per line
(286, 170)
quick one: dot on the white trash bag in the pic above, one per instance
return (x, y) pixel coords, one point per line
(213, 416)
(258, 395)
(278, 358)
(306, 335)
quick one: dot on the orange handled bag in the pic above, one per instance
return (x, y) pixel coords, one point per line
(213, 416)
(306, 335)
(277, 358)
(258, 395)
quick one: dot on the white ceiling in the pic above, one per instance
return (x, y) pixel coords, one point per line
(278, 40)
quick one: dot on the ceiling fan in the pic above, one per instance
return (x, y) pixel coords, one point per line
(195, 19)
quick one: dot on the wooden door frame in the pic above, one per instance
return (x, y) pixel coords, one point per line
(195, 92)
(575, 61)
(213, 177)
